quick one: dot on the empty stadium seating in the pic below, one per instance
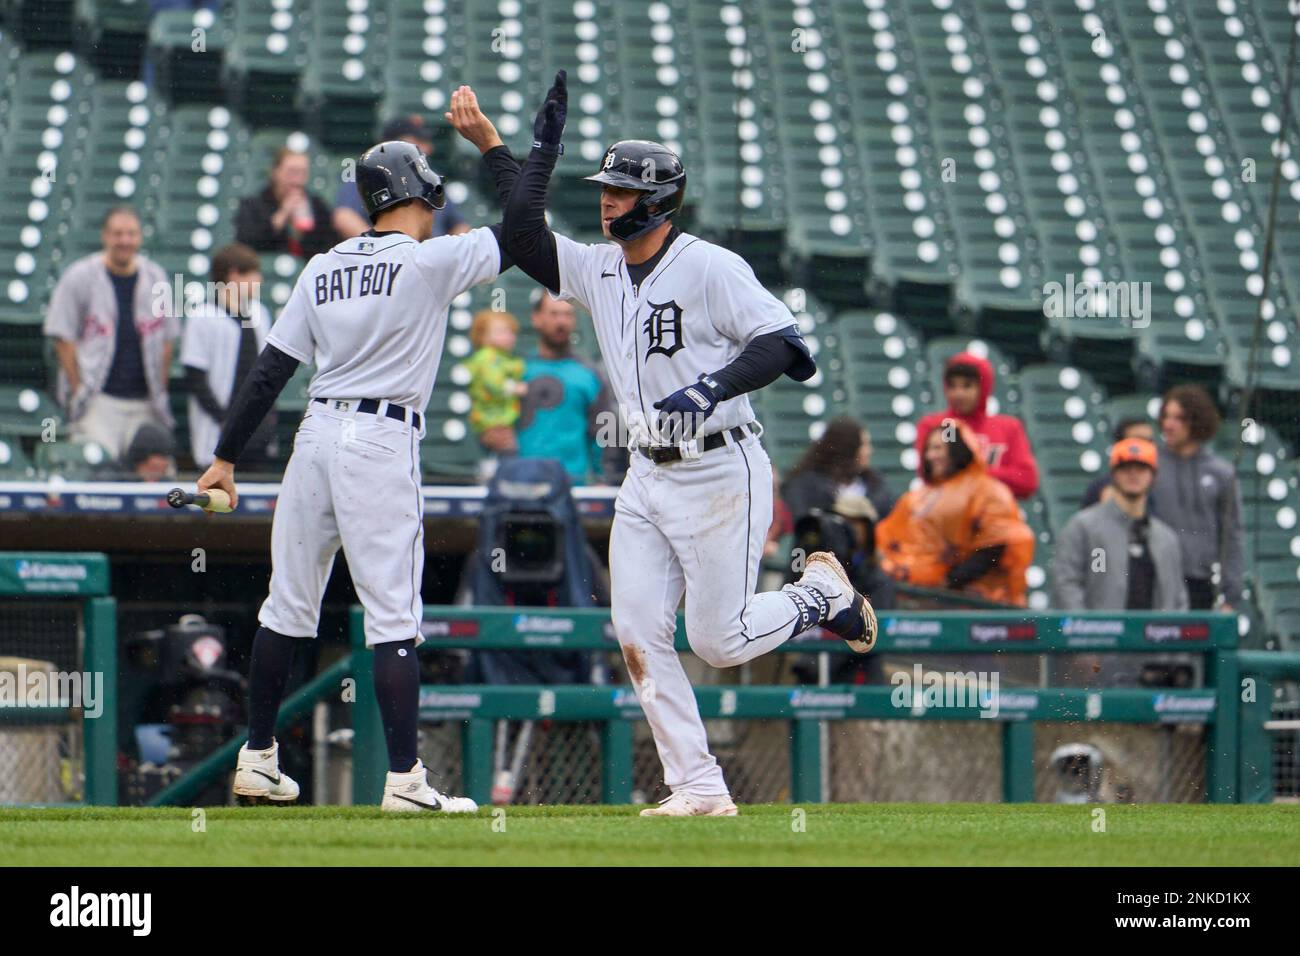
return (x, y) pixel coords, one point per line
(910, 176)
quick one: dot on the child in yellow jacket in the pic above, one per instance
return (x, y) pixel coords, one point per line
(496, 380)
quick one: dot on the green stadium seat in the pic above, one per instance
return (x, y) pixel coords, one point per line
(14, 463)
(186, 74)
(26, 412)
(111, 34)
(72, 460)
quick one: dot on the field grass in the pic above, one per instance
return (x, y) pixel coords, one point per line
(839, 834)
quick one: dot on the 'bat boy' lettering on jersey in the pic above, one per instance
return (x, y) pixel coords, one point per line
(344, 283)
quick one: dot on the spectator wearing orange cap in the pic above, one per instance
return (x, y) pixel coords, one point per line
(1115, 555)
(961, 529)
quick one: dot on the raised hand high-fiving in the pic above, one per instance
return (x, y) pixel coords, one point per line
(469, 120)
(548, 127)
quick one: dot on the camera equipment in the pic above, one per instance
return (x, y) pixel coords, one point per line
(531, 544)
(820, 530)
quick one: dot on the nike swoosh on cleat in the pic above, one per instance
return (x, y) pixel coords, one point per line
(275, 780)
(435, 806)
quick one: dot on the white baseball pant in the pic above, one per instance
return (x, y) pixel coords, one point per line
(353, 481)
(696, 527)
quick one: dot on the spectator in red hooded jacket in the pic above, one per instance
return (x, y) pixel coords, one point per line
(967, 385)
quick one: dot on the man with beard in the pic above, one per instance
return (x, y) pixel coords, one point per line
(1115, 555)
(562, 411)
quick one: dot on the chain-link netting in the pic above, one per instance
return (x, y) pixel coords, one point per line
(930, 761)
(1285, 731)
(754, 756)
(546, 762)
(440, 750)
(41, 758)
(533, 761)
(1134, 763)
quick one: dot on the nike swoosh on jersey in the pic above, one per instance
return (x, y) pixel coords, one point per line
(608, 275)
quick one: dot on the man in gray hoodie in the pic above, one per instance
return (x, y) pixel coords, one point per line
(1115, 555)
(1197, 493)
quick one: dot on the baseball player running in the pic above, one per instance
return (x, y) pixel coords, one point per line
(371, 314)
(686, 331)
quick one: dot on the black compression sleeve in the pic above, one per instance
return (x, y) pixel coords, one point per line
(765, 359)
(196, 381)
(256, 396)
(528, 238)
(505, 171)
(506, 259)
(976, 566)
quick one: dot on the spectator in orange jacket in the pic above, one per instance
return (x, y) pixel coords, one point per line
(961, 529)
(967, 385)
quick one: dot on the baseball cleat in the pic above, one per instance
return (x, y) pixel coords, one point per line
(851, 615)
(683, 804)
(410, 793)
(259, 779)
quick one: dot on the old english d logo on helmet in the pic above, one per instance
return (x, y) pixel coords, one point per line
(653, 170)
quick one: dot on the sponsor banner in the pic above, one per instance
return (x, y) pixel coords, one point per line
(449, 704)
(997, 632)
(1092, 633)
(52, 573)
(543, 630)
(1174, 632)
(1016, 705)
(444, 628)
(821, 704)
(912, 633)
(626, 702)
(132, 498)
(1175, 708)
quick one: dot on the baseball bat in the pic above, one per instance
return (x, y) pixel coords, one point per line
(214, 499)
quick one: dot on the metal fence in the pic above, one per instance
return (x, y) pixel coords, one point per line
(57, 649)
(1285, 728)
(587, 743)
(809, 743)
(40, 753)
(1139, 763)
(934, 761)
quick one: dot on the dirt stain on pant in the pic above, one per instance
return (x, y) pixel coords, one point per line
(634, 658)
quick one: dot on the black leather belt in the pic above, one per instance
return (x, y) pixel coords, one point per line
(663, 454)
(371, 407)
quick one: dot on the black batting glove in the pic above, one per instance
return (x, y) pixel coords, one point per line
(683, 413)
(548, 127)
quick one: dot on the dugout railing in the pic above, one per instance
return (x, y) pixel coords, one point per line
(58, 679)
(1211, 711)
(1270, 686)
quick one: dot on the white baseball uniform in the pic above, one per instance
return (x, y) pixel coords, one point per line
(211, 342)
(371, 314)
(695, 526)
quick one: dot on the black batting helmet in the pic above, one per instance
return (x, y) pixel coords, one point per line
(394, 172)
(652, 168)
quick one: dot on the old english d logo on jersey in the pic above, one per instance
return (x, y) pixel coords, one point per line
(663, 327)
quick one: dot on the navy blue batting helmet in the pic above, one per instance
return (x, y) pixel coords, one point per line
(656, 172)
(394, 172)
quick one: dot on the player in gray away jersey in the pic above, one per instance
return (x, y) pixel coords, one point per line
(686, 330)
(371, 315)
